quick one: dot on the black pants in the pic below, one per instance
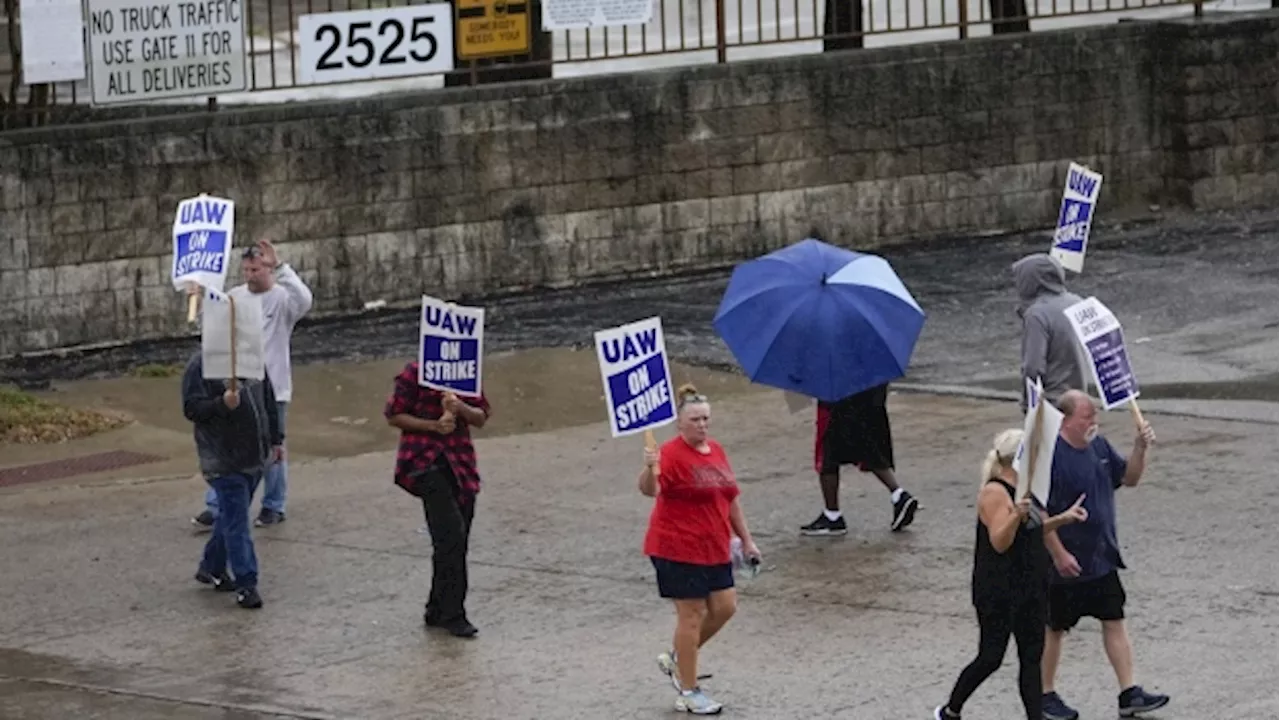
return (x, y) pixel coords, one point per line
(1025, 620)
(449, 522)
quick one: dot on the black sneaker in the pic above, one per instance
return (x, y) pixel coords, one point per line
(904, 511)
(1055, 709)
(203, 522)
(825, 526)
(220, 583)
(1136, 701)
(268, 517)
(942, 713)
(462, 628)
(248, 598)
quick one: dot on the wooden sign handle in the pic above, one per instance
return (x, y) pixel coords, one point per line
(234, 373)
(1137, 414)
(193, 301)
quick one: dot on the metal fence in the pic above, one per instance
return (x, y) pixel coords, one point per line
(680, 32)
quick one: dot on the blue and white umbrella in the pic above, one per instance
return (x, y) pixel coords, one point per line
(819, 320)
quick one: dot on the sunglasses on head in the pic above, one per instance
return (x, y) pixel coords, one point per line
(694, 398)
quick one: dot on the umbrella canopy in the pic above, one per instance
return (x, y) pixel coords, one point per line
(819, 320)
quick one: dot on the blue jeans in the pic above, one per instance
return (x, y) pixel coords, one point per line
(231, 542)
(273, 493)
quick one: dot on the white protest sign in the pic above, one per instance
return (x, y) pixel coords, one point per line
(450, 347)
(1099, 332)
(142, 50)
(1034, 461)
(1079, 201)
(637, 380)
(52, 41)
(215, 337)
(203, 229)
(577, 14)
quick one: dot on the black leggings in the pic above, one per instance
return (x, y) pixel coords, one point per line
(1025, 621)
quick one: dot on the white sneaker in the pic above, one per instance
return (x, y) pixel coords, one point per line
(667, 664)
(697, 703)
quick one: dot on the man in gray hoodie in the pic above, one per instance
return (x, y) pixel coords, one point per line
(1050, 350)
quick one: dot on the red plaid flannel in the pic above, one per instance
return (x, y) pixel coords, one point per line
(418, 451)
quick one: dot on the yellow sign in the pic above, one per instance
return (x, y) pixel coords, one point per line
(492, 28)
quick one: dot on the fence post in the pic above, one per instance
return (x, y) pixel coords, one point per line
(722, 49)
(964, 18)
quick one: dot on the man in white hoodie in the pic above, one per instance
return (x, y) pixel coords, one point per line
(285, 300)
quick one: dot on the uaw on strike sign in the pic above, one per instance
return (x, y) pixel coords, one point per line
(637, 381)
(203, 228)
(1079, 201)
(450, 347)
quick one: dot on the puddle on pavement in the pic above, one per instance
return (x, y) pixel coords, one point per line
(337, 407)
(68, 688)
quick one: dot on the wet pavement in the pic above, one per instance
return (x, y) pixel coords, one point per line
(337, 409)
(1196, 294)
(102, 620)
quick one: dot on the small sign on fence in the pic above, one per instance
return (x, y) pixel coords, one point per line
(492, 28)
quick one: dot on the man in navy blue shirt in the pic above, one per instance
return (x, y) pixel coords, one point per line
(1086, 556)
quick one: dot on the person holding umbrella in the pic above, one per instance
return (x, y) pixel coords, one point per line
(838, 326)
(688, 540)
(855, 431)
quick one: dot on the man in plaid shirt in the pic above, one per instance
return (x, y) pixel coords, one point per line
(436, 462)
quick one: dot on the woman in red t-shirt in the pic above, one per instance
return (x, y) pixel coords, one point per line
(688, 540)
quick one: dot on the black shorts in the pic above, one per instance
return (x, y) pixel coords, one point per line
(854, 431)
(686, 581)
(1102, 598)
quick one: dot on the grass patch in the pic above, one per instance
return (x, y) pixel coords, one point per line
(28, 420)
(157, 371)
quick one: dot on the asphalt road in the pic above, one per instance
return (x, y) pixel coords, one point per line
(102, 620)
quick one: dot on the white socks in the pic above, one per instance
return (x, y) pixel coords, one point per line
(834, 515)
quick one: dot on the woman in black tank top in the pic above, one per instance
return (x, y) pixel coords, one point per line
(1010, 581)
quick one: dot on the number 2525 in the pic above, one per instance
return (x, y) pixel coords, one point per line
(392, 26)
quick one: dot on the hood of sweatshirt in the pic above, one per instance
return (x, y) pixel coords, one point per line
(1035, 276)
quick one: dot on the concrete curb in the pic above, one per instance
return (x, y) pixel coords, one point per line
(1149, 407)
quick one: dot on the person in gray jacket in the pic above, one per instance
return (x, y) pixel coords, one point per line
(237, 434)
(1050, 350)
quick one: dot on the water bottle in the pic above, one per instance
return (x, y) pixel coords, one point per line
(745, 567)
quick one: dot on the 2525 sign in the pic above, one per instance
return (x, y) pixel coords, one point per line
(376, 44)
